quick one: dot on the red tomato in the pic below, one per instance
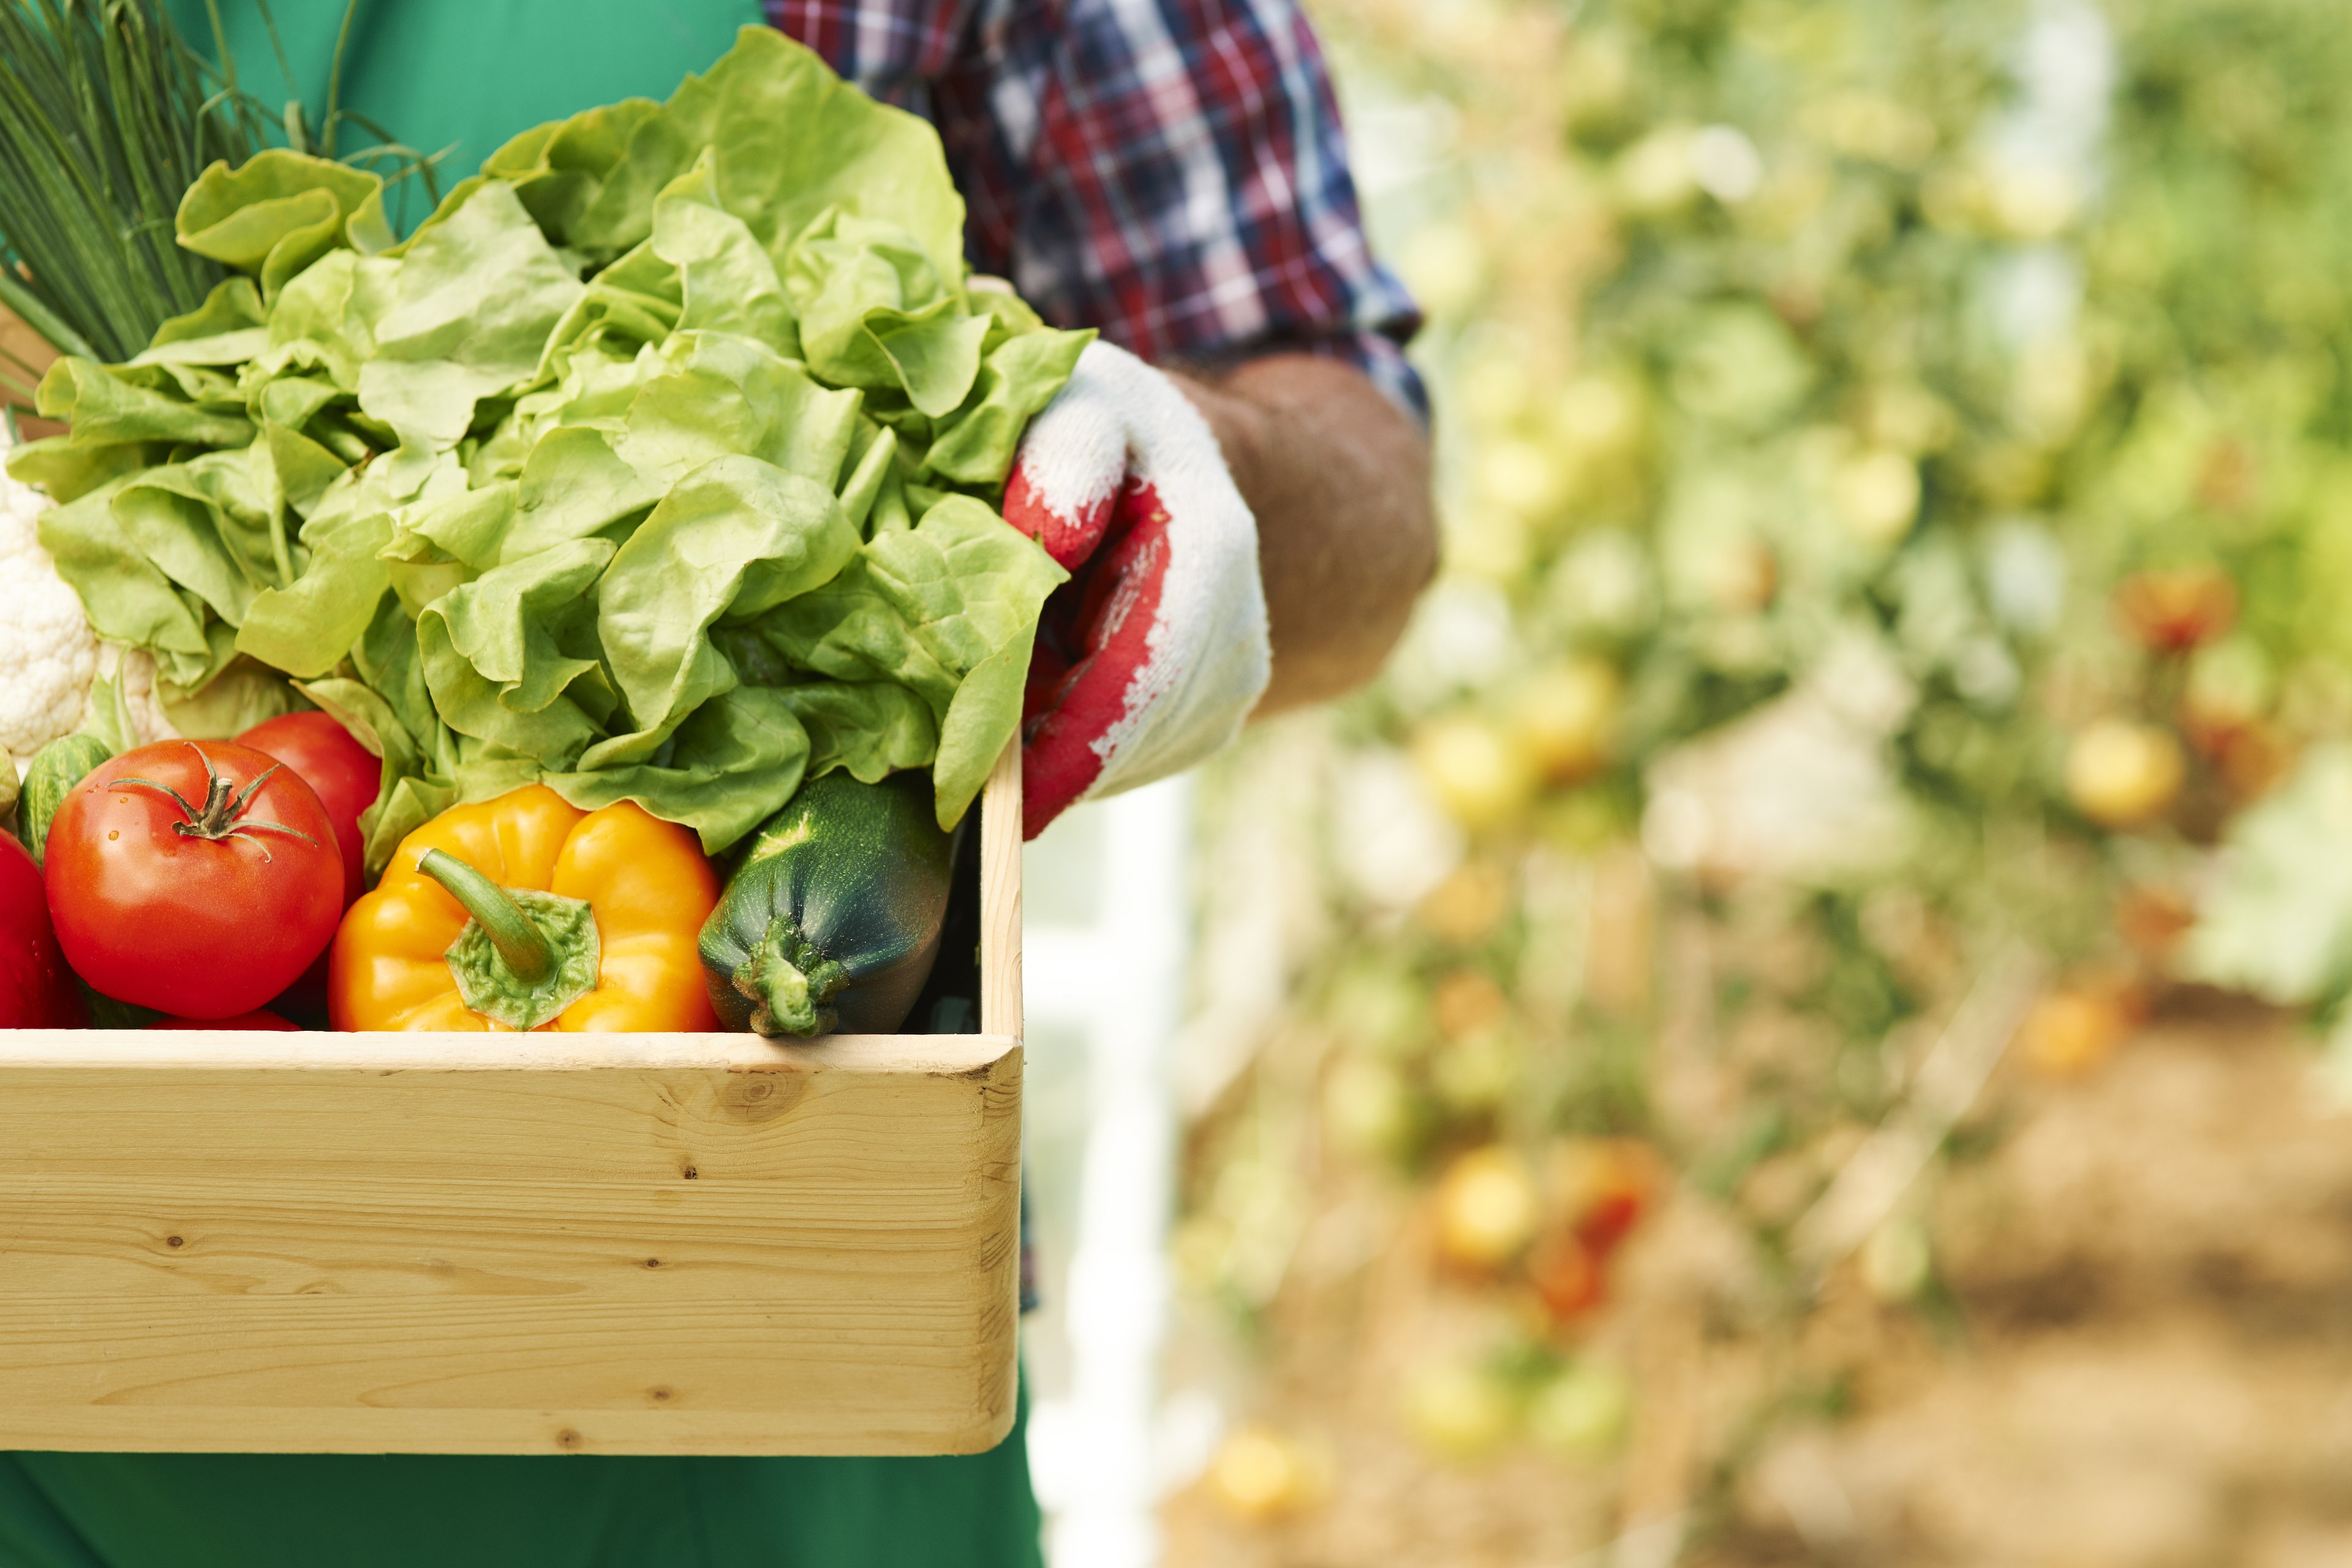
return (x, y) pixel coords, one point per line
(36, 990)
(1607, 1185)
(340, 772)
(1568, 1276)
(262, 1018)
(196, 877)
(345, 776)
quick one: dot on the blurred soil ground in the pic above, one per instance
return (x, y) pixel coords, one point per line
(2134, 1351)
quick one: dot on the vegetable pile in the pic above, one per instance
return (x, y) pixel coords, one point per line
(536, 558)
(658, 465)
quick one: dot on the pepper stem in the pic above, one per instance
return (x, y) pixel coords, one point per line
(521, 945)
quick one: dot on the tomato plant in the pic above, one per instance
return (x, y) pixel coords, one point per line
(36, 990)
(198, 878)
(340, 772)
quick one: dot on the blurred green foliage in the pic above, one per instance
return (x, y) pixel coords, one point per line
(1893, 458)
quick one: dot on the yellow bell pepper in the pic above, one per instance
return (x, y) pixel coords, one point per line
(526, 912)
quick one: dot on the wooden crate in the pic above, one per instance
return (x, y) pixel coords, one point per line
(640, 1243)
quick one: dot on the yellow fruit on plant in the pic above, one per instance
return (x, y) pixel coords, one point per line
(1567, 718)
(2035, 201)
(1467, 1002)
(1878, 496)
(1597, 417)
(1743, 578)
(1526, 478)
(1459, 1412)
(1466, 909)
(2122, 775)
(1493, 390)
(1909, 418)
(1489, 1209)
(1259, 1475)
(1583, 1412)
(1488, 542)
(1582, 821)
(1476, 1072)
(1447, 265)
(1654, 175)
(2070, 1032)
(1367, 1107)
(1478, 771)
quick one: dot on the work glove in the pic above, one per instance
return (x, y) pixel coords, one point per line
(1152, 654)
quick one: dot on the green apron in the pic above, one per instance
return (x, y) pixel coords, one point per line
(467, 75)
(415, 1510)
(473, 73)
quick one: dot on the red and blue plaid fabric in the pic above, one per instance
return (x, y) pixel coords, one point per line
(1171, 172)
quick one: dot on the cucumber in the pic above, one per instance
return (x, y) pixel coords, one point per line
(56, 768)
(833, 918)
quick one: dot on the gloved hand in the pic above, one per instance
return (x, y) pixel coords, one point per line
(1152, 654)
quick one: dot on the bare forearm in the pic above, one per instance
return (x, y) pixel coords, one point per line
(1337, 478)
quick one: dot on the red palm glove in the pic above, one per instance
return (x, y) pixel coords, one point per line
(1152, 654)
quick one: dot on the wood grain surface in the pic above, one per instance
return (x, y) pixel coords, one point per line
(24, 355)
(1000, 880)
(517, 1243)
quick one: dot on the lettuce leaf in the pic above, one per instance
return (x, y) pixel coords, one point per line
(279, 211)
(306, 627)
(735, 536)
(725, 396)
(726, 282)
(476, 298)
(126, 598)
(947, 609)
(975, 445)
(205, 525)
(109, 403)
(729, 766)
(789, 140)
(503, 653)
(873, 727)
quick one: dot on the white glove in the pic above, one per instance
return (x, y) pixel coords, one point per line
(1151, 657)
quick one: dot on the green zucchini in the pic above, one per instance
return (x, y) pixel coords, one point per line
(832, 919)
(56, 768)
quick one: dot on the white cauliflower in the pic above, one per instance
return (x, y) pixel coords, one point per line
(48, 652)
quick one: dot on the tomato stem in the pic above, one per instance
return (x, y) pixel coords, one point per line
(223, 814)
(521, 945)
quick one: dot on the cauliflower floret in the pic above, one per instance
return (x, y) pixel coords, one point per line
(48, 652)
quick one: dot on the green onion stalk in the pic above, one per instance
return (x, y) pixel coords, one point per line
(107, 116)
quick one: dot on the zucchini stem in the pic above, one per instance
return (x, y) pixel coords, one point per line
(789, 982)
(522, 947)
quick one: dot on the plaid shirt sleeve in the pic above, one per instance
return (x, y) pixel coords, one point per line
(1171, 172)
